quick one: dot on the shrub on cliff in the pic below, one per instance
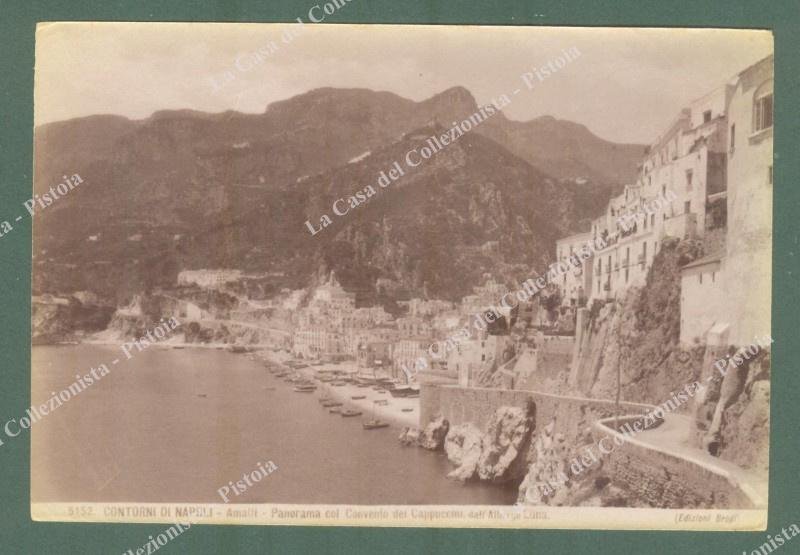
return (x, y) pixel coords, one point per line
(650, 358)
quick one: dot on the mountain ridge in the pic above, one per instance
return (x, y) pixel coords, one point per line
(239, 181)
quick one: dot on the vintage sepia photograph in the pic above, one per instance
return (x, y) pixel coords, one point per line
(318, 273)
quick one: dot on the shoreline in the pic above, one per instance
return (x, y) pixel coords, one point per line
(392, 413)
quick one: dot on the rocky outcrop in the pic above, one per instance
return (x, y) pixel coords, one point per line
(498, 455)
(432, 437)
(732, 414)
(550, 479)
(464, 446)
(410, 436)
(548, 470)
(434, 434)
(505, 444)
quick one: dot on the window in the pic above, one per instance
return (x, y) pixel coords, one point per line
(652, 220)
(663, 190)
(626, 275)
(762, 107)
(713, 277)
(733, 137)
(687, 206)
(689, 175)
(700, 277)
(706, 116)
(769, 175)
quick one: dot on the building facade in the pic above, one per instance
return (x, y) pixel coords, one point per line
(748, 246)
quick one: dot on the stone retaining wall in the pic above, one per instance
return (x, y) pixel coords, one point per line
(664, 480)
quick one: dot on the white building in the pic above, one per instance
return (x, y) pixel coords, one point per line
(575, 284)
(740, 312)
(682, 170)
(703, 298)
(748, 258)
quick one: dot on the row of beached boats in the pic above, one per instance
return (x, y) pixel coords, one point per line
(336, 379)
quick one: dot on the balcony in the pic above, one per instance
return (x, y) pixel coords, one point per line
(616, 266)
(640, 259)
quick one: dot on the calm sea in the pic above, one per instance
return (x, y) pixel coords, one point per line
(176, 425)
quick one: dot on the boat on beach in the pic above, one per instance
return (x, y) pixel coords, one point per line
(305, 388)
(351, 412)
(335, 410)
(357, 397)
(329, 404)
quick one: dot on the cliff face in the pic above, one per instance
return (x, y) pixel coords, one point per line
(640, 336)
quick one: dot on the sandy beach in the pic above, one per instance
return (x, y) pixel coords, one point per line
(391, 413)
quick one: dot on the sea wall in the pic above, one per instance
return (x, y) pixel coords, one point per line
(661, 479)
(461, 405)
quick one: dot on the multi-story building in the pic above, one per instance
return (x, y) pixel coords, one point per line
(410, 326)
(472, 357)
(423, 308)
(331, 299)
(318, 342)
(743, 313)
(377, 355)
(406, 353)
(681, 171)
(574, 284)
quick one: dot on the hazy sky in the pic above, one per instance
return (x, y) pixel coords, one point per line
(627, 85)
